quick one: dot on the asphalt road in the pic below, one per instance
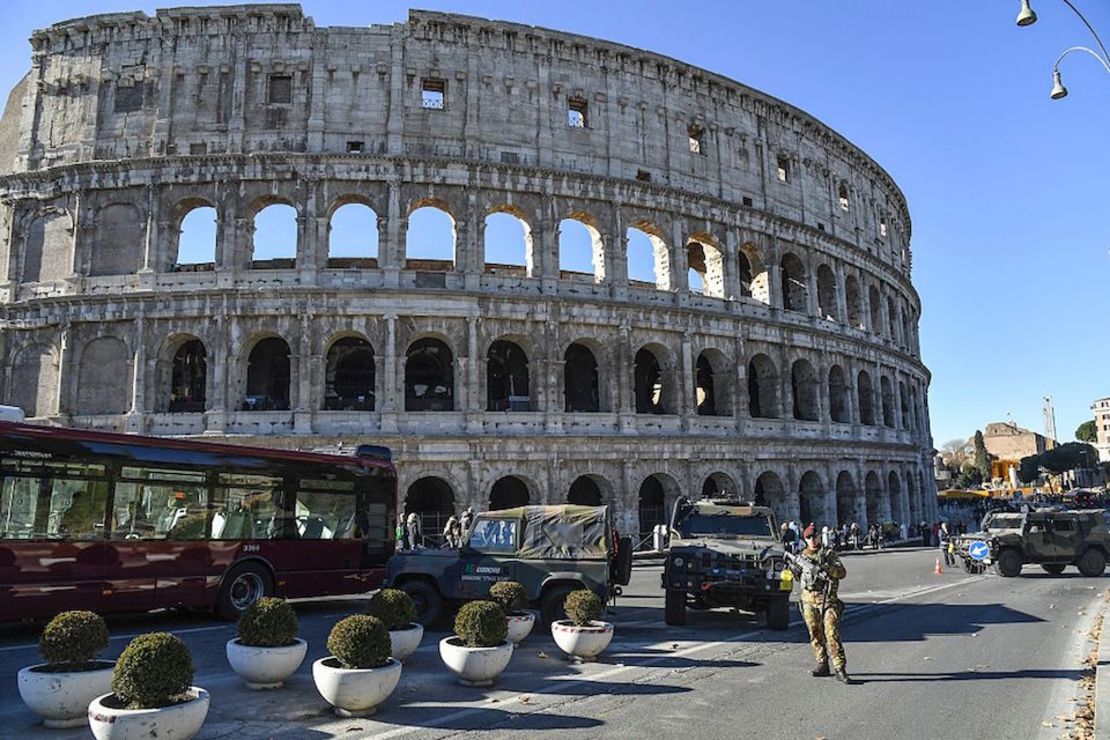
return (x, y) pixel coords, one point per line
(934, 656)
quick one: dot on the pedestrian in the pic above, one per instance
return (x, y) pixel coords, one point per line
(821, 609)
(413, 528)
(924, 529)
(786, 536)
(943, 539)
(467, 519)
(399, 533)
(904, 530)
(826, 537)
(451, 532)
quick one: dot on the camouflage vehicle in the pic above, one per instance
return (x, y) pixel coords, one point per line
(725, 553)
(1051, 539)
(550, 550)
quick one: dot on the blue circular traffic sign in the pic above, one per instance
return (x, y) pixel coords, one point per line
(979, 550)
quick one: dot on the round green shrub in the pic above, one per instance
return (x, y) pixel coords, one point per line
(360, 641)
(268, 622)
(154, 670)
(394, 607)
(73, 639)
(481, 624)
(510, 595)
(583, 606)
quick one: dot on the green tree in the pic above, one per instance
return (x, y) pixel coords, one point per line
(1029, 469)
(1087, 431)
(980, 457)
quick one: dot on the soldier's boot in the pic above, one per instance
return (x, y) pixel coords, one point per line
(821, 669)
(842, 675)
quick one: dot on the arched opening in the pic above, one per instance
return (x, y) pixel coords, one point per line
(584, 491)
(508, 493)
(104, 378)
(846, 499)
(118, 247)
(274, 243)
(811, 501)
(34, 381)
(763, 388)
(827, 306)
(580, 380)
(907, 327)
(769, 491)
(706, 268)
(753, 274)
(915, 418)
(508, 245)
(705, 390)
(353, 237)
(893, 322)
(268, 376)
(581, 251)
(887, 393)
(803, 381)
(430, 240)
(429, 376)
(795, 294)
(433, 501)
(876, 303)
(196, 240)
(650, 395)
(507, 378)
(719, 485)
(48, 247)
(652, 505)
(894, 496)
(188, 377)
(648, 258)
(839, 409)
(349, 376)
(907, 408)
(866, 398)
(854, 302)
(874, 498)
(914, 503)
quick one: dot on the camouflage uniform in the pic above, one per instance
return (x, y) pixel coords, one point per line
(824, 628)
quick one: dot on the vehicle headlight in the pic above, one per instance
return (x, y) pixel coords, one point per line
(679, 562)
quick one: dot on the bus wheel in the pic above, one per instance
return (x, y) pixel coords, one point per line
(241, 587)
(426, 599)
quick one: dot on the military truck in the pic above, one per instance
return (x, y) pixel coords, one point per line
(550, 550)
(724, 553)
(1049, 538)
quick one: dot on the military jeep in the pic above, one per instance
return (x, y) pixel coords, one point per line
(1051, 539)
(550, 550)
(725, 554)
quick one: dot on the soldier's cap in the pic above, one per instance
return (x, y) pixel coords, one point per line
(809, 531)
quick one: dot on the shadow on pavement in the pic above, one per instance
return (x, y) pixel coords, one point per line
(482, 718)
(1051, 673)
(653, 658)
(914, 622)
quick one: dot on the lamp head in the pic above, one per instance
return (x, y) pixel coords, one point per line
(1026, 16)
(1058, 89)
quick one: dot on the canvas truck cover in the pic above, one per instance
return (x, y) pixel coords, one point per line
(564, 532)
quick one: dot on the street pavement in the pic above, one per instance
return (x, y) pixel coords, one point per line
(947, 655)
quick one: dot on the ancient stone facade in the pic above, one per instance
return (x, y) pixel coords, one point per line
(775, 354)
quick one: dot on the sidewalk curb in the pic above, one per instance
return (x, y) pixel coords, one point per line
(1102, 680)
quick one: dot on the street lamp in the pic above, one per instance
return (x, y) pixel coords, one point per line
(1026, 17)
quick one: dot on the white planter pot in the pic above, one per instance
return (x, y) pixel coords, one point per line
(109, 721)
(404, 642)
(355, 692)
(62, 698)
(475, 666)
(585, 642)
(520, 626)
(265, 667)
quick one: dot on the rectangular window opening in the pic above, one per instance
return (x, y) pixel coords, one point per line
(747, 201)
(697, 139)
(643, 175)
(355, 147)
(433, 94)
(784, 169)
(576, 114)
(281, 89)
(882, 227)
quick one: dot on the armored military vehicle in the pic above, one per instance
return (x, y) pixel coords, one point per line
(551, 550)
(1051, 539)
(724, 553)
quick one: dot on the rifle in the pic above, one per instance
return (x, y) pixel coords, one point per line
(814, 576)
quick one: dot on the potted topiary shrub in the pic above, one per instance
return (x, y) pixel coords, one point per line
(359, 674)
(60, 689)
(513, 599)
(152, 693)
(396, 610)
(267, 650)
(582, 636)
(478, 651)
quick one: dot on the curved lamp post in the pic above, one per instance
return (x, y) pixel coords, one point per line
(1026, 17)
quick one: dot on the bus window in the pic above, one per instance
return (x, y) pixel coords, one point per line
(247, 507)
(19, 500)
(326, 515)
(159, 511)
(52, 500)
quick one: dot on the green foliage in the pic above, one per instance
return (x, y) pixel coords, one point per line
(360, 641)
(1087, 431)
(583, 606)
(268, 622)
(510, 595)
(73, 639)
(981, 458)
(394, 607)
(1029, 468)
(481, 624)
(1059, 459)
(968, 477)
(154, 670)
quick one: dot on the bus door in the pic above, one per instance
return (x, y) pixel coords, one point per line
(324, 542)
(489, 555)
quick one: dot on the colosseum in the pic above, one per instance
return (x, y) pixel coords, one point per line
(709, 290)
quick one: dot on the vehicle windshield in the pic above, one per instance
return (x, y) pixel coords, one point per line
(1002, 521)
(724, 525)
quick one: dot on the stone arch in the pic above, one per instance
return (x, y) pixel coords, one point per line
(433, 500)
(508, 245)
(847, 499)
(770, 491)
(275, 234)
(431, 238)
(104, 377)
(509, 492)
(827, 304)
(653, 381)
(268, 375)
(48, 247)
(839, 402)
(907, 407)
(763, 388)
(806, 391)
(581, 386)
(657, 494)
(894, 498)
(194, 236)
(588, 490)
(795, 291)
(914, 502)
(580, 238)
(117, 248)
(706, 267)
(34, 380)
(875, 498)
(188, 376)
(893, 322)
(713, 383)
(811, 501)
(350, 375)
(719, 485)
(353, 239)
(429, 376)
(875, 301)
(854, 303)
(754, 279)
(865, 392)
(886, 392)
(507, 377)
(647, 249)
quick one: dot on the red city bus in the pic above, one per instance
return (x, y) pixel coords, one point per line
(119, 522)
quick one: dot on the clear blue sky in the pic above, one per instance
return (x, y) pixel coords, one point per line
(1009, 192)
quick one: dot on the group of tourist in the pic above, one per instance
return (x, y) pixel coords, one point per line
(851, 536)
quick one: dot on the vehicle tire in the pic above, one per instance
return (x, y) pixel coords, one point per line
(551, 605)
(1053, 568)
(1009, 563)
(778, 613)
(1092, 563)
(241, 586)
(425, 597)
(674, 607)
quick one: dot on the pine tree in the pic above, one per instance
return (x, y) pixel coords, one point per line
(982, 458)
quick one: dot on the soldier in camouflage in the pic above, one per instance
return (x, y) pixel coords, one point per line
(820, 606)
